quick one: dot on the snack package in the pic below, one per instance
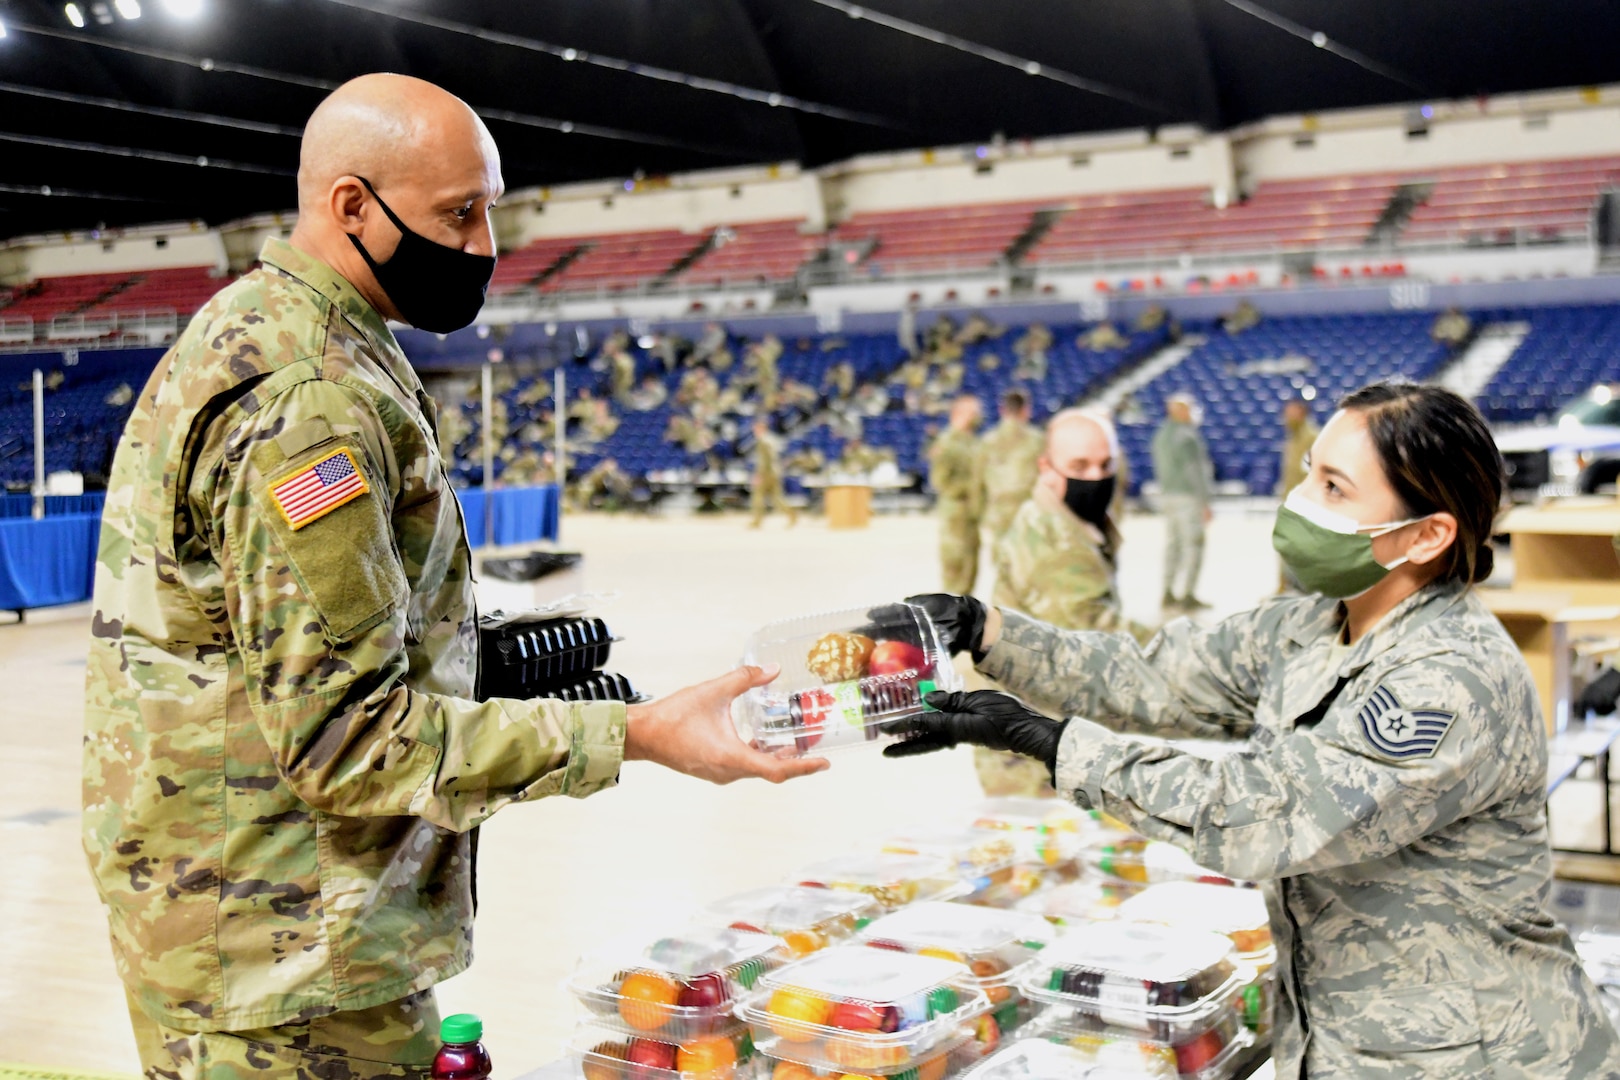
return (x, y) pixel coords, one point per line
(1169, 984)
(806, 919)
(680, 987)
(844, 675)
(1238, 914)
(863, 1011)
(891, 879)
(604, 1052)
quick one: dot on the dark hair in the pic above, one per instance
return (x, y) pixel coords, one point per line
(1439, 456)
(1015, 400)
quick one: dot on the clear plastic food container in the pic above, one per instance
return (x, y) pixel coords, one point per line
(892, 880)
(1048, 832)
(844, 673)
(1076, 903)
(1211, 1054)
(1140, 861)
(987, 861)
(680, 987)
(604, 1052)
(1239, 914)
(1044, 1059)
(861, 1010)
(806, 919)
(1168, 983)
(947, 1059)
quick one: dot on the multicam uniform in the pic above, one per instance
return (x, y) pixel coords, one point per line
(282, 763)
(1393, 797)
(766, 481)
(953, 472)
(1010, 451)
(1052, 566)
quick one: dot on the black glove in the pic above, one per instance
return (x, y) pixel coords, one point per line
(960, 620)
(985, 718)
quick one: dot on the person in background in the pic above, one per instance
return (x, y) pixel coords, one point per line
(712, 341)
(650, 395)
(1010, 451)
(953, 473)
(1031, 349)
(1182, 468)
(1452, 329)
(1103, 337)
(906, 330)
(1299, 432)
(1057, 561)
(765, 482)
(1243, 317)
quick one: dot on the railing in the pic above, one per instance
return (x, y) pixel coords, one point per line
(18, 331)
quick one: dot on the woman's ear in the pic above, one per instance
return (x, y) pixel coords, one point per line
(1435, 535)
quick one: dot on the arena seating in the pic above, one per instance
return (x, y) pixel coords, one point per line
(518, 269)
(759, 252)
(1534, 201)
(182, 290)
(939, 238)
(81, 429)
(1568, 349)
(52, 296)
(1242, 382)
(622, 261)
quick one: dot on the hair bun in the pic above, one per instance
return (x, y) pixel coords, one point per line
(1484, 561)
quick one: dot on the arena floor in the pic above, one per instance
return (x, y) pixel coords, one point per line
(561, 876)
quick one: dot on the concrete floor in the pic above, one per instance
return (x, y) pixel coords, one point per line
(560, 876)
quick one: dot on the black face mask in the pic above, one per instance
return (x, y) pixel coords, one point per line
(436, 288)
(1089, 499)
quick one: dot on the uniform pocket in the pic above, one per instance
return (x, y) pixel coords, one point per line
(1418, 1032)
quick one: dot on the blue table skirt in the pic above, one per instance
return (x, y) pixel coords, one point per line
(47, 562)
(21, 506)
(522, 515)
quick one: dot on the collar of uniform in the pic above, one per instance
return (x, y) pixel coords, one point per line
(1315, 622)
(334, 287)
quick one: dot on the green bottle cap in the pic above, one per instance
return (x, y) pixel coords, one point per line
(924, 688)
(1055, 980)
(942, 1001)
(862, 924)
(1251, 1007)
(461, 1028)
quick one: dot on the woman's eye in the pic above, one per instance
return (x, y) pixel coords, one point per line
(1332, 488)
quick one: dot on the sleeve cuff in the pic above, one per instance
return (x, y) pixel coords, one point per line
(596, 750)
(1005, 656)
(1083, 760)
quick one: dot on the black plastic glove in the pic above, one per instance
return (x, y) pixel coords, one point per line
(985, 718)
(960, 620)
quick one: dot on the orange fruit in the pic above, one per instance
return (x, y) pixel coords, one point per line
(606, 1061)
(795, 1014)
(792, 1070)
(859, 1054)
(713, 1058)
(943, 954)
(933, 1068)
(645, 1000)
(804, 942)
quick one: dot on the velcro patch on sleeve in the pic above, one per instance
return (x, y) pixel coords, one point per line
(319, 488)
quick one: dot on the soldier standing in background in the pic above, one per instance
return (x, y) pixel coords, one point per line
(1181, 466)
(283, 759)
(1299, 432)
(1057, 562)
(766, 480)
(1010, 451)
(953, 473)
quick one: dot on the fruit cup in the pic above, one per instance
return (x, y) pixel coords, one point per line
(1000, 948)
(986, 860)
(605, 1052)
(845, 674)
(679, 988)
(1239, 914)
(1167, 983)
(1076, 903)
(1047, 832)
(863, 1011)
(947, 1059)
(1211, 1054)
(1137, 860)
(891, 879)
(806, 919)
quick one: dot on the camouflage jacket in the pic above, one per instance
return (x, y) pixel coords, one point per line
(1010, 451)
(1181, 461)
(767, 458)
(953, 469)
(1394, 802)
(282, 761)
(1296, 445)
(1054, 567)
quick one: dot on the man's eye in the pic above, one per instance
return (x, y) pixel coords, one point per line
(461, 212)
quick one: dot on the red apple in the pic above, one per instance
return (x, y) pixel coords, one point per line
(884, 943)
(893, 657)
(859, 1016)
(703, 992)
(1193, 1056)
(646, 1055)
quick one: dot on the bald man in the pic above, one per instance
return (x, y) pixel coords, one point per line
(1056, 561)
(284, 763)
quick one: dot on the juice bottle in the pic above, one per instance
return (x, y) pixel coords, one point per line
(851, 712)
(462, 1057)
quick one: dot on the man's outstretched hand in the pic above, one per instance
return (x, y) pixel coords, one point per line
(985, 718)
(691, 731)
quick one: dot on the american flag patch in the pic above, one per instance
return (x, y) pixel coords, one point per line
(318, 489)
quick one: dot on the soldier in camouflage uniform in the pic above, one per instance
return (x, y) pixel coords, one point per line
(283, 763)
(1010, 451)
(953, 472)
(765, 482)
(1392, 793)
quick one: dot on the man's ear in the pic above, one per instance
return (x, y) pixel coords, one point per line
(346, 199)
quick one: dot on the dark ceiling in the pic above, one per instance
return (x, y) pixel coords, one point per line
(114, 119)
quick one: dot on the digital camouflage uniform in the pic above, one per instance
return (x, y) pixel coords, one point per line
(1392, 796)
(1181, 467)
(953, 472)
(1052, 566)
(1010, 451)
(282, 762)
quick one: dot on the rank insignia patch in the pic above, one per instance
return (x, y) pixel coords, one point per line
(1398, 732)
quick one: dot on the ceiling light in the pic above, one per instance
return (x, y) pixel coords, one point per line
(103, 14)
(2, 29)
(183, 9)
(129, 9)
(74, 15)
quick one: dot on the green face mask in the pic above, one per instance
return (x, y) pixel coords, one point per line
(1327, 552)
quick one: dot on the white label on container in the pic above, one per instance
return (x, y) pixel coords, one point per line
(847, 703)
(1123, 1002)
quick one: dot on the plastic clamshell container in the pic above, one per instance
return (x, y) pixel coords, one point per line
(806, 919)
(1169, 983)
(1076, 903)
(1000, 948)
(1140, 861)
(949, 1058)
(678, 988)
(1211, 1054)
(859, 1010)
(1044, 1059)
(844, 674)
(1239, 914)
(892, 880)
(605, 1052)
(977, 853)
(1048, 832)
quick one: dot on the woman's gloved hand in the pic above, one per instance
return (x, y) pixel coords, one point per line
(960, 620)
(985, 718)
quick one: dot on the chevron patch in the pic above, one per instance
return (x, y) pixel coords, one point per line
(1398, 732)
